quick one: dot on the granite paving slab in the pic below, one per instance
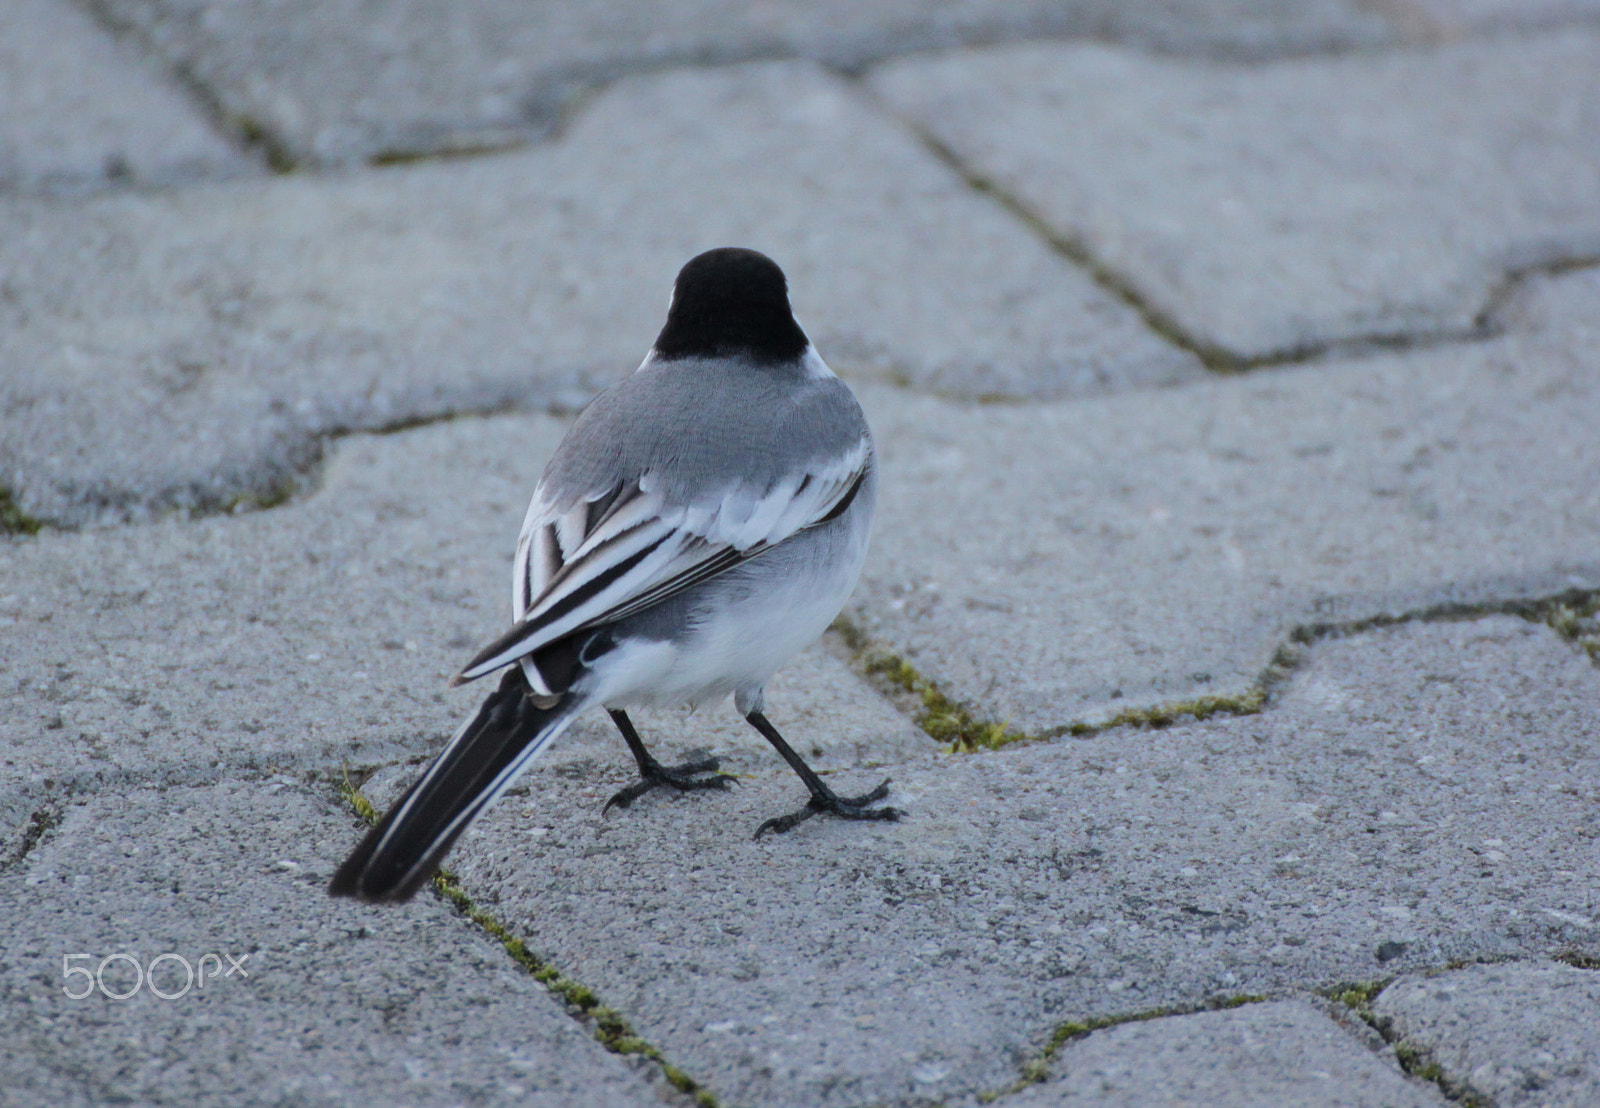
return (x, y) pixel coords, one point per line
(1286, 1054)
(321, 634)
(1416, 795)
(110, 997)
(1053, 564)
(354, 79)
(181, 351)
(1265, 210)
(1521, 1034)
(79, 110)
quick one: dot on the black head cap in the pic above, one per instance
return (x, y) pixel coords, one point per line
(731, 302)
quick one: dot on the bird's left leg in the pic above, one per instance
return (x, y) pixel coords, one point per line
(652, 773)
(823, 799)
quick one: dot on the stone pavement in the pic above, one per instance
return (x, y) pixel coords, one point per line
(1231, 632)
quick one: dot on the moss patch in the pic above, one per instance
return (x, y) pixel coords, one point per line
(1037, 1069)
(1414, 1058)
(40, 824)
(15, 521)
(1164, 715)
(943, 718)
(273, 496)
(964, 730)
(1577, 619)
(1358, 997)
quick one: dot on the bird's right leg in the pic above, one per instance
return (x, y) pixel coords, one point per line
(652, 773)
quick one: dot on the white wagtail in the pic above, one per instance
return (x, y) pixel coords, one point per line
(703, 521)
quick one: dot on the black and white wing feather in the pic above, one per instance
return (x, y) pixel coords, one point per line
(615, 551)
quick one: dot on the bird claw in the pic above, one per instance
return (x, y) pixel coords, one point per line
(845, 807)
(678, 777)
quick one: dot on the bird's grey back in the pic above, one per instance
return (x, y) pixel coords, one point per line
(700, 425)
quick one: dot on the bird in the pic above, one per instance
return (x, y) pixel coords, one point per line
(703, 520)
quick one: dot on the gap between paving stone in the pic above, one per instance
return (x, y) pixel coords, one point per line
(336, 1000)
(82, 111)
(1295, 1049)
(1571, 613)
(1037, 1069)
(287, 487)
(604, 1022)
(1103, 175)
(1415, 1060)
(284, 489)
(607, 1027)
(237, 322)
(559, 95)
(250, 134)
(1452, 1024)
(281, 489)
(1486, 324)
(503, 78)
(1338, 1001)
(1182, 538)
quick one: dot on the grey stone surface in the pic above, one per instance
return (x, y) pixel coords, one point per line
(353, 79)
(180, 350)
(1523, 1034)
(1056, 563)
(322, 633)
(1285, 1054)
(1271, 208)
(79, 110)
(1450, 18)
(333, 1003)
(1550, 301)
(1415, 795)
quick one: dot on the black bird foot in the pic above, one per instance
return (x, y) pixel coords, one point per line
(845, 807)
(680, 777)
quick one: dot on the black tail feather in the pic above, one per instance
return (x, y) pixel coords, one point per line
(405, 848)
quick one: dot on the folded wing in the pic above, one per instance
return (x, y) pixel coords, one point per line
(618, 550)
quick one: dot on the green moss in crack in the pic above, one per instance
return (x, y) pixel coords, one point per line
(1578, 621)
(1037, 1069)
(941, 717)
(952, 722)
(274, 495)
(1358, 996)
(945, 720)
(1164, 715)
(258, 136)
(1578, 960)
(40, 824)
(15, 521)
(353, 796)
(610, 1029)
(1416, 1060)
(458, 151)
